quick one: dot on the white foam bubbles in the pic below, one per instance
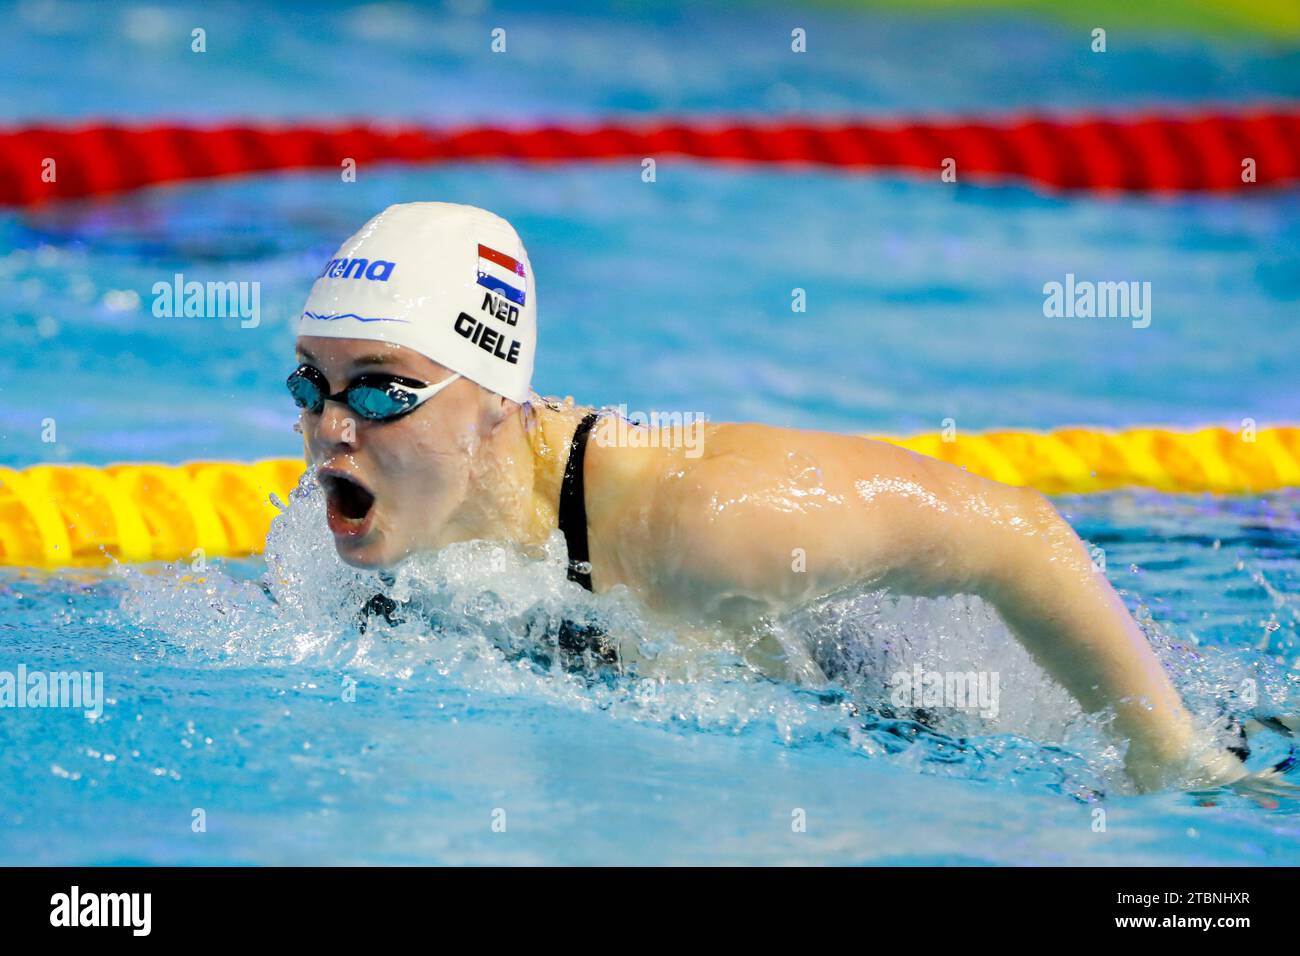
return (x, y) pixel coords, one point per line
(486, 618)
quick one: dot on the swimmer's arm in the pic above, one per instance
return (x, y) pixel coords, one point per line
(1014, 550)
(1063, 610)
(919, 526)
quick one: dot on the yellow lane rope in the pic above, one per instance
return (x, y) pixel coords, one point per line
(61, 515)
(1082, 460)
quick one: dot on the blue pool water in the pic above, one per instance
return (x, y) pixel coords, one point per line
(231, 694)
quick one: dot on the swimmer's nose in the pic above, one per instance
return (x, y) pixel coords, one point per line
(337, 425)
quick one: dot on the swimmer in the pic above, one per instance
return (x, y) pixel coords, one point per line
(416, 351)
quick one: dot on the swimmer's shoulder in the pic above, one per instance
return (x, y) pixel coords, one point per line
(684, 524)
(758, 449)
(746, 474)
(693, 456)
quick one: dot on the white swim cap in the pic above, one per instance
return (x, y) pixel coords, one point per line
(451, 282)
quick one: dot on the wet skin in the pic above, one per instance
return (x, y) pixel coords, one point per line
(746, 522)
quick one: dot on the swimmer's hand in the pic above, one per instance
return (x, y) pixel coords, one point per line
(1266, 788)
(1203, 770)
(1210, 768)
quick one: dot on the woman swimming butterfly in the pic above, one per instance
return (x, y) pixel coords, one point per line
(416, 351)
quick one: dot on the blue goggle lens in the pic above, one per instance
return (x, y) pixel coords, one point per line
(307, 393)
(373, 402)
(372, 397)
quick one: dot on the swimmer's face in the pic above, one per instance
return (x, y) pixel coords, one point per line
(392, 488)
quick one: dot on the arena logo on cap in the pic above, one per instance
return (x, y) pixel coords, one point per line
(378, 270)
(501, 273)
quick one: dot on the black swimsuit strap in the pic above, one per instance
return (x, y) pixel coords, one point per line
(573, 506)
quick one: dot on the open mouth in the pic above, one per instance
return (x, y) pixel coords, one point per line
(349, 503)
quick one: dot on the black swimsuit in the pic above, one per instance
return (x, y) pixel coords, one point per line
(573, 505)
(576, 637)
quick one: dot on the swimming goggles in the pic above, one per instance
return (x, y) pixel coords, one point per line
(374, 396)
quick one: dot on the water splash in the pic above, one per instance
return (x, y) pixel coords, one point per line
(487, 618)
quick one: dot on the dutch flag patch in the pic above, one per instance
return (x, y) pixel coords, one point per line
(501, 274)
